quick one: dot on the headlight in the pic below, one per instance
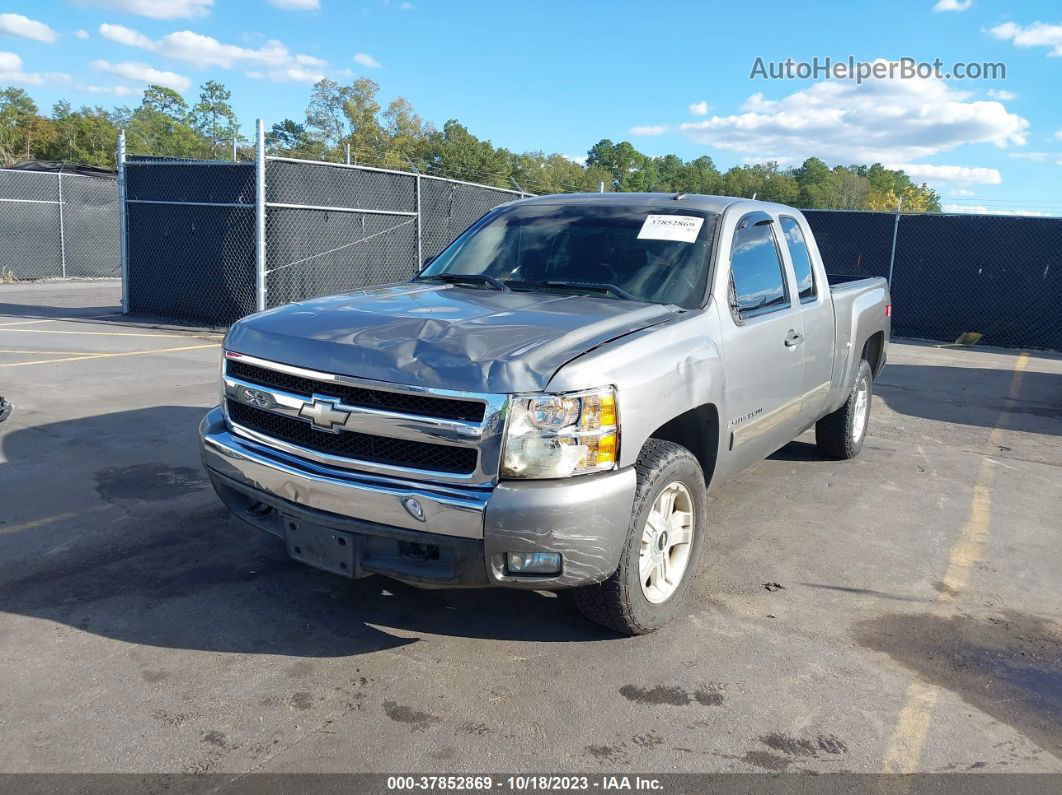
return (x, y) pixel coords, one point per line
(554, 436)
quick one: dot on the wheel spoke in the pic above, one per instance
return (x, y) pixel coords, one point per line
(681, 535)
(665, 568)
(645, 567)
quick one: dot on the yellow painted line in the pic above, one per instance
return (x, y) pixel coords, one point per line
(112, 355)
(904, 751)
(59, 517)
(107, 333)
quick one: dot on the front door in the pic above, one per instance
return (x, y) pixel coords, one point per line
(763, 345)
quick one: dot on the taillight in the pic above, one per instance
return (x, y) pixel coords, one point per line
(888, 310)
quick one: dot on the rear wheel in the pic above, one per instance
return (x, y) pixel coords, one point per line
(841, 434)
(663, 542)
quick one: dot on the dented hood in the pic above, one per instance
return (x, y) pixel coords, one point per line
(441, 336)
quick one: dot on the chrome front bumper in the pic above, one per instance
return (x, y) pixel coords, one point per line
(585, 519)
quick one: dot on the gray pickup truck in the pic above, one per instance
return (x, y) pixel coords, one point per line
(546, 404)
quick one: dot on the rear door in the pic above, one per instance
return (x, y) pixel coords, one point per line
(763, 350)
(812, 297)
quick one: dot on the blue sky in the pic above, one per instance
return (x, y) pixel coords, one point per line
(668, 76)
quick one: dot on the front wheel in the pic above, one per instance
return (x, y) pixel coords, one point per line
(663, 542)
(841, 434)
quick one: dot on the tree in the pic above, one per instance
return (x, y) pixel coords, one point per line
(165, 101)
(86, 135)
(366, 136)
(213, 117)
(325, 117)
(22, 129)
(160, 126)
(620, 160)
(813, 179)
(405, 134)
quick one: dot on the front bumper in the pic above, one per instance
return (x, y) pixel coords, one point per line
(463, 535)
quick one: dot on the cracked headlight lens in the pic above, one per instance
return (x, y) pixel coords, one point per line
(555, 436)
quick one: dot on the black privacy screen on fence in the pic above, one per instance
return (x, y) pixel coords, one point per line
(190, 231)
(329, 228)
(56, 223)
(999, 276)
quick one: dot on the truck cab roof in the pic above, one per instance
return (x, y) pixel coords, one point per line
(695, 201)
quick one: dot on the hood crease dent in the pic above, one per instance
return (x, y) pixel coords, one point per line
(442, 336)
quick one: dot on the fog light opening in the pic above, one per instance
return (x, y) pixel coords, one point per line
(533, 562)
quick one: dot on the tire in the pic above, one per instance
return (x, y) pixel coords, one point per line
(841, 434)
(620, 602)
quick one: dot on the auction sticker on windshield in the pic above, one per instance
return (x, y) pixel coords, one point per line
(683, 228)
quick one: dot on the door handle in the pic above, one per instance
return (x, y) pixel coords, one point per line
(793, 339)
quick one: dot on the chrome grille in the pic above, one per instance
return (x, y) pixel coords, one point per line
(360, 424)
(417, 404)
(362, 446)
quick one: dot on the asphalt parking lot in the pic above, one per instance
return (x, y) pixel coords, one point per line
(916, 624)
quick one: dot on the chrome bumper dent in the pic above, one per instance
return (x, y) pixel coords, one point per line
(449, 511)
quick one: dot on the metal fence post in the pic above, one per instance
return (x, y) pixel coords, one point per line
(420, 228)
(260, 215)
(123, 245)
(62, 235)
(895, 231)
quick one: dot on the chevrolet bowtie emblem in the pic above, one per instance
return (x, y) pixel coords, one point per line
(324, 414)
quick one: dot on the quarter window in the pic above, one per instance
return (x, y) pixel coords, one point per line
(798, 253)
(756, 271)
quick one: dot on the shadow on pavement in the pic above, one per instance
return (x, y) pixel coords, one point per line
(974, 396)
(171, 569)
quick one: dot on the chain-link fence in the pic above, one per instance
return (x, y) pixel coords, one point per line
(190, 239)
(214, 241)
(55, 224)
(994, 275)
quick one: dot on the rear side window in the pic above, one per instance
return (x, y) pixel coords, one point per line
(798, 253)
(756, 272)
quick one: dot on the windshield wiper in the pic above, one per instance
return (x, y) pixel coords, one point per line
(596, 287)
(471, 278)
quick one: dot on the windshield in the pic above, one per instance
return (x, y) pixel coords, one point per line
(652, 254)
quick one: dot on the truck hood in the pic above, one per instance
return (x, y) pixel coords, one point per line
(441, 336)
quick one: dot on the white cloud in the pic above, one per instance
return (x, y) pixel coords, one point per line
(81, 34)
(18, 25)
(649, 129)
(1001, 94)
(157, 9)
(119, 90)
(279, 63)
(1038, 34)
(980, 209)
(962, 174)
(958, 192)
(126, 36)
(406, 7)
(366, 60)
(782, 162)
(1036, 157)
(1058, 134)
(296, 5)
(142, 73)
(880, 120)
(699, 108)
(578, 159)
(11, 72)
(288, 74)
(952, 5)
